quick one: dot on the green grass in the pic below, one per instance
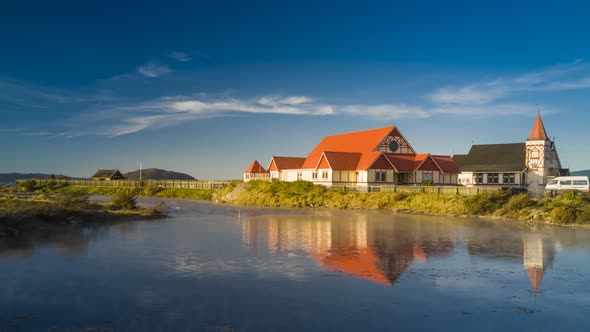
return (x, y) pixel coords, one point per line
(567, 208)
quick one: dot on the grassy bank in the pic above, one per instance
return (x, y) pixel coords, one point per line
(567, 209)
(149, 191)
(31, 213)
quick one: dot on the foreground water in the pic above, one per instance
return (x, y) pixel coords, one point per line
(220, 268)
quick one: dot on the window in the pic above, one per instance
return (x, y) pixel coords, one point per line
(299, 176)
(324, 175)
(493, 178)
(478, 178)
(553, 182)
(508, 178)
(580, 182)
(427, 176)
(380, 176)
(314, 175)
(565, 182)
(247, 176)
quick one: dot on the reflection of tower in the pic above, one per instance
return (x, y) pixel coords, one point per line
(538, 256)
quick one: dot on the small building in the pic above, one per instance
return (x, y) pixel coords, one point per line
(255, 172)
(107, 175)
(278, 165)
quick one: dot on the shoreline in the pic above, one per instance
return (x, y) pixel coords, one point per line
(568, 209)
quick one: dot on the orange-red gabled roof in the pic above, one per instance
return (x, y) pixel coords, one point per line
(358, 141)
(404, 163)
(340, 160)
(538, 132)
(281, 163)
(447, 164)
(255, 167)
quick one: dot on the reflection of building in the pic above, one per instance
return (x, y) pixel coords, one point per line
(379, 253)
(536, 252)
(538, 256)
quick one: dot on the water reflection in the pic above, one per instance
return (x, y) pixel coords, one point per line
(375, 251)
(381, 250)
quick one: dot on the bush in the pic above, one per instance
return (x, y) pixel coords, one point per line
(151, 190)
(28, 185)
(519, 202)
(564, 214)
(72, 199)
(428, 183)
(126, 199)
(161, 208)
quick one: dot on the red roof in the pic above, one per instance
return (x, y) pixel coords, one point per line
(255, 167)
(538, 132)
(342, 160)
(358, 141)
(447, 164)
(281, 163)
(405, 163)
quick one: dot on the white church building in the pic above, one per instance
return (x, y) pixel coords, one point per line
(530, 164)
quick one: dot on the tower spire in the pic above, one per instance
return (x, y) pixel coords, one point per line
(538, 132)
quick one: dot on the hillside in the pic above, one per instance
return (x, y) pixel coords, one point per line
(585, 172)
(12, 177)
(158, 174)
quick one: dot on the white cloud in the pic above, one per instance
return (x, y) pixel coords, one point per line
(180, 56)
(153, 69)
(387, 111)
(556, 78)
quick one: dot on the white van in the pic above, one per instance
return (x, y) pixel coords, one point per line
(569, 183)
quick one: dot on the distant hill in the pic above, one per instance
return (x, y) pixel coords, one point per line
(10, 178)
(585, 172)
(157, 174)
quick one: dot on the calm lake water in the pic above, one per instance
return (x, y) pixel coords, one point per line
(221, 268)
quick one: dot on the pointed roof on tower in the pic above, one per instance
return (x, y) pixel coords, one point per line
(538, 132)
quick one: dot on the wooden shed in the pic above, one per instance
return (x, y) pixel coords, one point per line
(107, 175)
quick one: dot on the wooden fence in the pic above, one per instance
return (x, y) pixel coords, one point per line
(178, 184)
(441, 190)
(214, 184)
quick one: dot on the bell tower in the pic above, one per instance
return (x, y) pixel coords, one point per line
(541, 156)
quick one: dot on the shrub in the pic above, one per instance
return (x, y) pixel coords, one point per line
(564, 214)
(161, 208)
(428, 183)
(519, 202)
(28, 185)
(71, 199)
(151, 190)
(126, 199)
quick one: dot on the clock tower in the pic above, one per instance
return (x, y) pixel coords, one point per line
(541, 156)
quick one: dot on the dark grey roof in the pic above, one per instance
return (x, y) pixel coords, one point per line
(495, 157)
(459, 160)
(105, 173)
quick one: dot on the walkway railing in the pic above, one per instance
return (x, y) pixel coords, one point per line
(178, 184)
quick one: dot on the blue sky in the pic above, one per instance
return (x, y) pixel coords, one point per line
(207, 87)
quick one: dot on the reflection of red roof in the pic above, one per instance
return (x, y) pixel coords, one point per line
(535, 275)
(538, 132)
(255, 167)
(358, 141)
(281, 163)
(362, 265)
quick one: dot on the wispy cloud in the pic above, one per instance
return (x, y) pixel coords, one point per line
(29, 95)
(154, 69)
(179, 56)
(572, 76)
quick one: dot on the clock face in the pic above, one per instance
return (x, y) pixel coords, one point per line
(393, 146)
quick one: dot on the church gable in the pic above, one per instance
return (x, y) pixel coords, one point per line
(396, 143)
